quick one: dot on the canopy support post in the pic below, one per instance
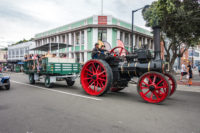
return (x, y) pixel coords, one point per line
(58, 50)
(50, 47)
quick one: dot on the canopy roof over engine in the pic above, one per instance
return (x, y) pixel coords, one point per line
(51, 46)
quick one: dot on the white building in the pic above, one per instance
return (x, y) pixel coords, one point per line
(17, 52)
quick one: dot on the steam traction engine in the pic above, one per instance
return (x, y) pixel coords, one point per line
(113, 72)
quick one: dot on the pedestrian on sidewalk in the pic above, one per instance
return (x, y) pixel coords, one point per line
(199, 68)
(183, 70)
(189, 73)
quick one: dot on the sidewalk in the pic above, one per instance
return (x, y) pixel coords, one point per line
(195, 79)
(188, 88)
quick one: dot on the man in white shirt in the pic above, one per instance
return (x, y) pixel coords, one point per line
(183, 70)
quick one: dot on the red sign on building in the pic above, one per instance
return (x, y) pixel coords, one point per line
(102, 20)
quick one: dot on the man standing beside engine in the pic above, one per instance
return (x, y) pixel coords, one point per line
(183, 70)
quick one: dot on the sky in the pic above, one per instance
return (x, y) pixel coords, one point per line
(22, 19)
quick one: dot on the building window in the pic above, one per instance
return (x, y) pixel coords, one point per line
(102, 34)
(72, 40)
(52, 39)
(21, 52)
(148, 46)
(82, 57)
(144, 43)
(13, 53)
(140, 42)
(77, 57)
(67, 39)
(77, 38)
(151, 44)
(63, 38)
(82, 37)
(121, 36)
(9, 54)
(192, 52)
(17, 53)
(126, 39)
(27, 51)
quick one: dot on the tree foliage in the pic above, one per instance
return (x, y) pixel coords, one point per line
(23, 41)
(179, 21)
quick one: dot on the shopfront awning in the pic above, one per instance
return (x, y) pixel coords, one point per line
(20, 63)
(51, 47)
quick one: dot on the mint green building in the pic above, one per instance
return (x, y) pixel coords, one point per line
(83, 34)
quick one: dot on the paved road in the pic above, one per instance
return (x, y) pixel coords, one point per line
(35, 109)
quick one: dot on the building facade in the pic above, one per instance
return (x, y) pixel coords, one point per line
(17, 52)
(194, 55)
(83, 34)
(3, 56)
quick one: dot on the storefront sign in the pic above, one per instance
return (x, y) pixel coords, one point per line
(102, 20)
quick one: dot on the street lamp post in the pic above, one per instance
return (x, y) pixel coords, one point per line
(132, 33)
(192, 56)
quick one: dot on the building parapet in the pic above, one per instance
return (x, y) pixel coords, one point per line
(93, 20)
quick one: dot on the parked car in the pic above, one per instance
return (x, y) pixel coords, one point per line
(4, 81)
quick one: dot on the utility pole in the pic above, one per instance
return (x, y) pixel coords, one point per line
(192, 56)
(101, 7)
(132, 31)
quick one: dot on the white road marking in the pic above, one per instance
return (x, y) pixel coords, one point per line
(63, 92)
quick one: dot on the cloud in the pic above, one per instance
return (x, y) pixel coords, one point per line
(24, 18)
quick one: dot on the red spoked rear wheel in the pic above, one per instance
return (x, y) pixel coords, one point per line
(172, 82)
(96, 77)
(153, 87)
(119, 51)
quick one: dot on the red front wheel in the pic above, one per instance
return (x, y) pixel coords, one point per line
(153, 87)
(96, 77)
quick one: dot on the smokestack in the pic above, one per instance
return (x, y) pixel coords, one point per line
(156, 39)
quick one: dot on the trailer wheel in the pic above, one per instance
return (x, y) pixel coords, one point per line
(70, 82)
(153, 87)
(31, 79)
(172, 82)
(47, 82)
(8, 85)
(115, 89)
(96, 77)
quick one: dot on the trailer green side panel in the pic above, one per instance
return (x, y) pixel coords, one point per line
(51, 68)
(63, 68)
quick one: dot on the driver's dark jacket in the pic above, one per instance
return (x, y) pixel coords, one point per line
(95, 53)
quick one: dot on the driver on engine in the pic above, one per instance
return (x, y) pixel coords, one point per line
(96, 51)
